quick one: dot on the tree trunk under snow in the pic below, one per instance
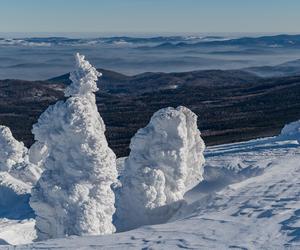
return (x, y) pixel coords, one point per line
(165, 161)
(73, 195)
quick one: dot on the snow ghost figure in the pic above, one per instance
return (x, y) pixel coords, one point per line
(11, 150)
(14, 158)
(165, 161)
(291, 131)
(74, 195)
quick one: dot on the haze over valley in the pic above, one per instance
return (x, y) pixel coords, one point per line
(46, 57)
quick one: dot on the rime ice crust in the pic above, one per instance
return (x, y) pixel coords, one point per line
(37, 153)
(195, 148)
(73, 195)
(166, 160)
(83, 78)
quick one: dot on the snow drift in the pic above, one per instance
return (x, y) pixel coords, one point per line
(165, 161)
(73, 195)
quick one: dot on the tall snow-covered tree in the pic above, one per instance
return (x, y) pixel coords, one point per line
(165, 161)
(73, 195)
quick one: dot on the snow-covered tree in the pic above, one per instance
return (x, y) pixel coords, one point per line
(165, 161)
(291, 131)
(73, 195)
(14, 158)
(12, 151)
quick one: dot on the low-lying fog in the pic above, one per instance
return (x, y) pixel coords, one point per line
(39, 59)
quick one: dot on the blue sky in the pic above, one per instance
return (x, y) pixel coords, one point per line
(150, 16)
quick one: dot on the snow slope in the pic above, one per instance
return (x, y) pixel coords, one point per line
(249, 199)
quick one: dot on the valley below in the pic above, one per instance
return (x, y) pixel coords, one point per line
(232, 105)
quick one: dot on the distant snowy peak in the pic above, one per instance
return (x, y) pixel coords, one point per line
(83, 78)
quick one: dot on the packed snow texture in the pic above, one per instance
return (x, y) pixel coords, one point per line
(73, 195)
(165, 161)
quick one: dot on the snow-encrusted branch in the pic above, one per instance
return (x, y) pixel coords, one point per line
(84, 78)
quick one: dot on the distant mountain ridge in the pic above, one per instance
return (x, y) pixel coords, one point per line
(285, 69)
(179, 41)
(116, 83)
(231, 105)
(263, 41)
(114, 40)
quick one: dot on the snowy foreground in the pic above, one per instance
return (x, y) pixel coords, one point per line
(249, 199)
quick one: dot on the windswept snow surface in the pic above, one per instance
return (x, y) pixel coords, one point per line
(165, 161)
(249, 199)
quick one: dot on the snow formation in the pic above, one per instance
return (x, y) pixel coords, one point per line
(165, 161)
(291, 131)
(12, 151)
(73, 195)
(14, 158)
